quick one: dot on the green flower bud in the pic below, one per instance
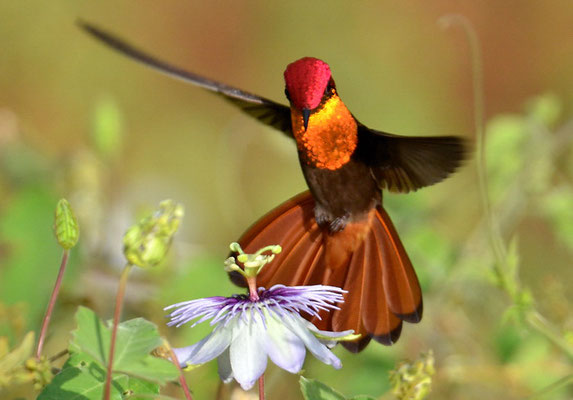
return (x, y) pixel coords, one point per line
(146, 243)
(413, 380)
(66, 226)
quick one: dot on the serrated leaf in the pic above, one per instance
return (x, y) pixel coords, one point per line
(83, 382)
(138, 389)
(314, 390)
(66, 226)
(150, 368)
(91, 336)
(136, 338)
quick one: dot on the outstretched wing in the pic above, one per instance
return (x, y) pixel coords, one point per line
(402, 164)
(265, 110)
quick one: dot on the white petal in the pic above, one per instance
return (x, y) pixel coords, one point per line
(208, 348)
(224, 366)
(248, 358)
(298, 325)
(283, 347)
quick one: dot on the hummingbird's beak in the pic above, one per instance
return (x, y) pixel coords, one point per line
(305, 117)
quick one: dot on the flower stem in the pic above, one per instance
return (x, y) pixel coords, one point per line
(262, 387)
(51, 304)
(116, 315)
(181, 376)
(537, 323)
(560, 384)
(494, 235)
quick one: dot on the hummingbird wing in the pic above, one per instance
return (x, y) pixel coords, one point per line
(265, 110)
(403, 164)
(383, 290)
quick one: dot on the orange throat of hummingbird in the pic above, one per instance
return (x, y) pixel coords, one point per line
(331, 136)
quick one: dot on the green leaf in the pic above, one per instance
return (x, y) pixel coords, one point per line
(83, 379)
(66, 226)
(91, 336)
(362, 397)
(137, 389)
(136, 338)
(315, 390)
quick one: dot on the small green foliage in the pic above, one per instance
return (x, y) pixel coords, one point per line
(413, 380)
(314, 390)
(136, 339)
(107, 128)
(136, 371)
(83, 379)
(545, 109)
(66, 226)
(12, 363)
(506, 139)
(557, 205)
(19, 367)
(146, 243)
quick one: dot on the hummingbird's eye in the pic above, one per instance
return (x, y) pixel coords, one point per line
(329, 88)
(287, 94)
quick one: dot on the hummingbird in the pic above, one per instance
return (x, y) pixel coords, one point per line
(336, 233)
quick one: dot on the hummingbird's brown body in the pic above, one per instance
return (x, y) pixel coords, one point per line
(338, 233)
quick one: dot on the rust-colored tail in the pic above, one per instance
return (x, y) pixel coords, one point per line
(366, 258)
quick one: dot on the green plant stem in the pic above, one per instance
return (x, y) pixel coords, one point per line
(51, 304)
(118, 305)
(496, 242)
(536, 322)
(59, 355)
(182, 380)
(262, 387)
(566, 380)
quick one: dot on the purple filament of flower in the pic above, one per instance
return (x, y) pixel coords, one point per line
(278, 299)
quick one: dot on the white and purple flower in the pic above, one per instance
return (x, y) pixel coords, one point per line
(248, 330)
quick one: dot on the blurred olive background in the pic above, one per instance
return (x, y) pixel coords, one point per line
(83, 122)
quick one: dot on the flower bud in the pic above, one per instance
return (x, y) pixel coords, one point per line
(146, 243)
(66, 226)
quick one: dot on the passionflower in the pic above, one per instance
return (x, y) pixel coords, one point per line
(249, 330)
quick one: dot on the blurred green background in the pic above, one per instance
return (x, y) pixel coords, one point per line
(82, 122)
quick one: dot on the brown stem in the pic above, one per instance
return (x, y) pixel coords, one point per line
(181, 376)
(51, 304)
(262, 387)
(59, 355)
(116, 315)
